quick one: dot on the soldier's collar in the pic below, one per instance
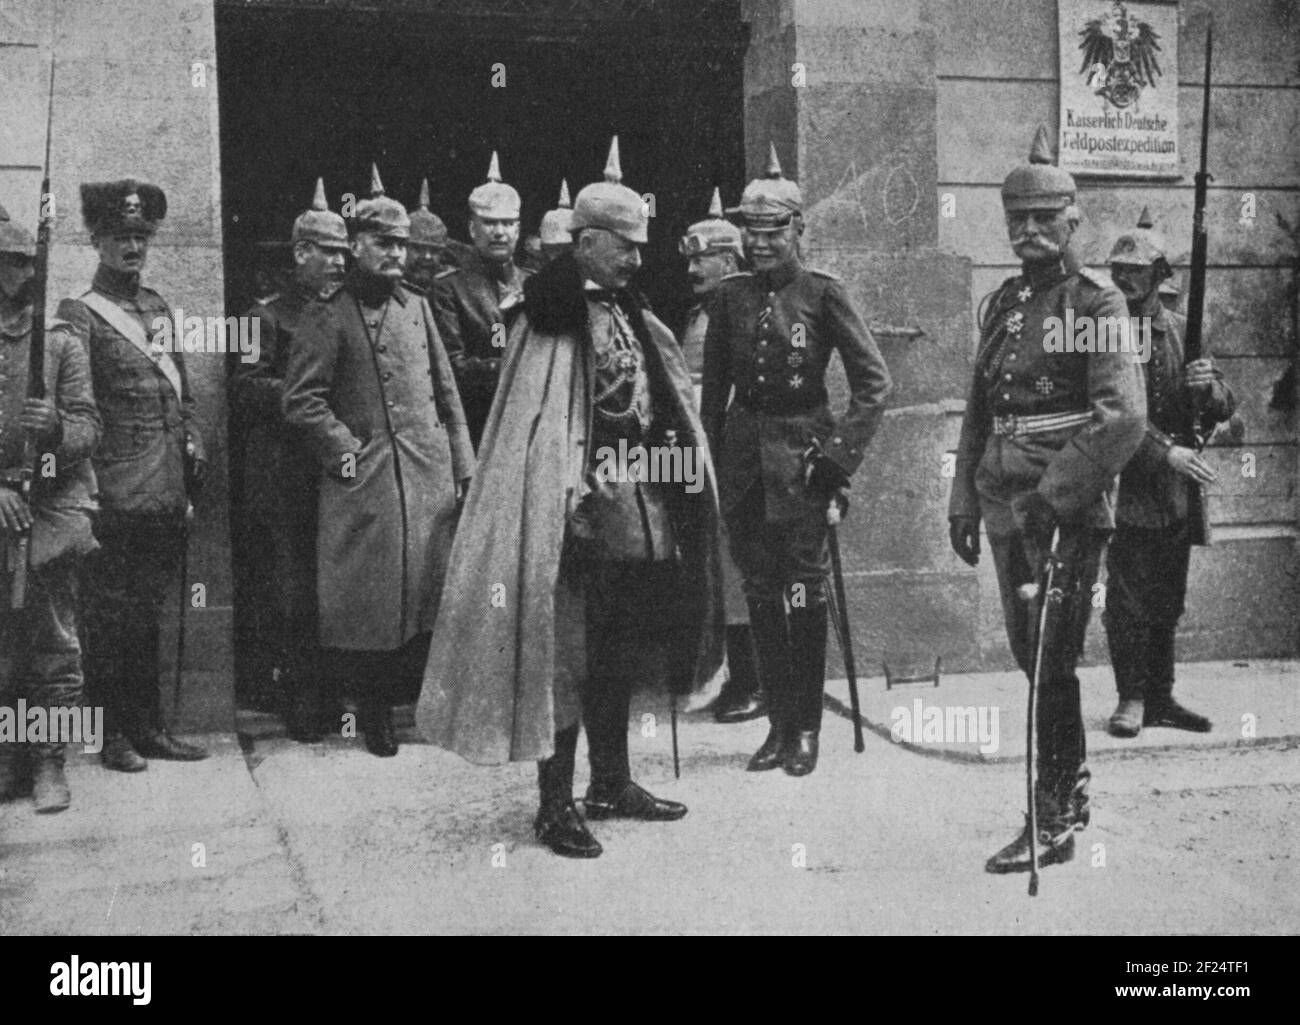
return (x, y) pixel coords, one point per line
(116, 282)
(1042, 275)
(775, 280)
(375, 289)
(15, 322)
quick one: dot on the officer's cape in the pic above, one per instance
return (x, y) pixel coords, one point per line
(507, 629)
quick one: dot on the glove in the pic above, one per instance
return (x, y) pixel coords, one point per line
(964, 536)
(1035, 518)
(824, 476)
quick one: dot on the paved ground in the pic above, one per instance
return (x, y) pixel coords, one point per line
(1187, 836)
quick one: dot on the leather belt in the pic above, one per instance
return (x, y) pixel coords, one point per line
(785, 405)
(1012, 426)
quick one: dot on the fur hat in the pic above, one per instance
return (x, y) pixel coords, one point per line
(126, 207)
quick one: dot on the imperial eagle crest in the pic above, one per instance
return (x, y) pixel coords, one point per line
(1119, 55)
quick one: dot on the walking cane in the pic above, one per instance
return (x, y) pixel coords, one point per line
(1029, 592)
(672, 705)
(833, 517)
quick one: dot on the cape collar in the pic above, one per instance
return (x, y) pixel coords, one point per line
(556, 301)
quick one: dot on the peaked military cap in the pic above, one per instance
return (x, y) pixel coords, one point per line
(713, 235)
(494, 199)
(771, 202)
(427, 228)
(381, 215)
(126, 207)
(319, 224)
(1140, 247)
(14, 238)
(555, 225)
(611, 205)
(1039, 184)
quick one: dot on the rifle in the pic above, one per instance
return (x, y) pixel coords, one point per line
(36, 360)
(1192, 342)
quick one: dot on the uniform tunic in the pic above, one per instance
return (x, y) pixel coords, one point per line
(475, 306)
(1160, 513)
(276, 526)
(369, 384)
(1017, 375)
(40, 641)
(770, 338)
(141, 473)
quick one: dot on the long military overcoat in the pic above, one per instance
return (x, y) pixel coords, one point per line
(374, 394)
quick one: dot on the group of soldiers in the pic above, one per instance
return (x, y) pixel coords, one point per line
(425, 514)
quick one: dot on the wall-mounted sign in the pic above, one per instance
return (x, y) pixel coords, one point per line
(1119, 88)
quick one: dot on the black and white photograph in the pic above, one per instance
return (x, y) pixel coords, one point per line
(650, 468)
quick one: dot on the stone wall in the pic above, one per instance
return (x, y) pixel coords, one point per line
(130, 101)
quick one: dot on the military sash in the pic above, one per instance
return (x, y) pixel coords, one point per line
(129, 328)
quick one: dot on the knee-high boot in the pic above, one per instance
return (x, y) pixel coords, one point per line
(808, 671)
(767, 621)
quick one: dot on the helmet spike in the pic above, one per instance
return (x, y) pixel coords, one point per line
(1041, 150)
(494, 168)
(376, 186)
(613, 168)
(318, 201)
(565, 203)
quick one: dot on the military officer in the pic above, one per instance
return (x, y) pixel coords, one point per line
(555, 234)
(477, 302)
(39, 641)
(147, 465)
(608, 581)
(713, 250)
(428, 244)
(1161, 511)
(277, 536)
(369, 385)
(1046, 431)
(781, 453)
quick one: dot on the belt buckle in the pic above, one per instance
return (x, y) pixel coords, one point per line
(1006, 426)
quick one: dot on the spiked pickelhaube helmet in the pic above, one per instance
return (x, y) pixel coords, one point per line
(771, 202)
(494, 199)
(1039, 184)
(319, 224)
(1140, 247)
(611, 205)
(427, 228)
(379, 213)
(715, 234)
(555, 227)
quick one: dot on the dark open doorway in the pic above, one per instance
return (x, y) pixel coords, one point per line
(321, 89)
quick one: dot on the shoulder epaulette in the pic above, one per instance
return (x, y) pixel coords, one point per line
(413, 288)
(445, 273)
(266, 300)
(737, 274)
(1095, 277)
(824, 274)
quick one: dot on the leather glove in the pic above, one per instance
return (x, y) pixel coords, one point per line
(964, 536)
(824, 476)
(1035, 518)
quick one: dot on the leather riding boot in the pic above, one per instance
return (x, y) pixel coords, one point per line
(1161, 708)
(1128, 644)
(50, 786)
(742, 696)
(305, 697)
(771, 635)
(376, 722)
(808, 671)
(1055, 840)
(558, 823)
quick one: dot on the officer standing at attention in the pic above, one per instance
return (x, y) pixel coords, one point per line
(476, 303)
(1044, 436)
(781, 454)
(713, 250)
(1161, 510)
(147, 465)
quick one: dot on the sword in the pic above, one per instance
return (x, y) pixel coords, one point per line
(672, 705)
(840, 608)
(1029, 592)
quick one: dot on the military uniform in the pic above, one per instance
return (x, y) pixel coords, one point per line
(1161, 515)
(476, 303)
(369, 386)
(275, 538)
(150, 444)
(770, 338)
(39, 642)
(1051, 426)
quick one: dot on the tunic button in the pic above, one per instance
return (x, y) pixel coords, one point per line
(760, 378)
(1006, 377)
(1011, 358)
(374, 322)
(381, 348)
(388, 375)
(761, 359)
(392, 404)
(1006, 397)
